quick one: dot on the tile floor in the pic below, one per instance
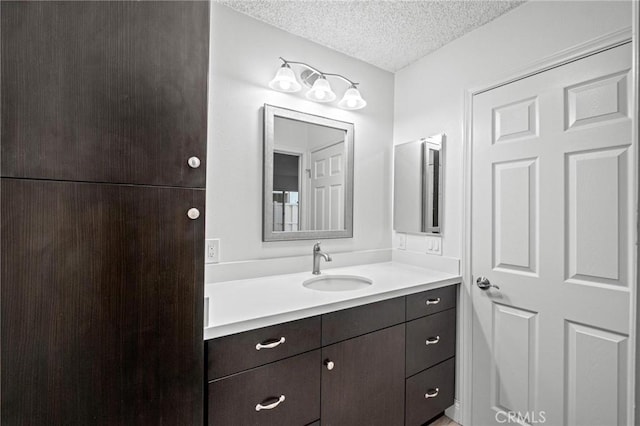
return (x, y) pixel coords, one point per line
(443, 421)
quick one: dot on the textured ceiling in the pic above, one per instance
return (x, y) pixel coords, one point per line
(390, 34)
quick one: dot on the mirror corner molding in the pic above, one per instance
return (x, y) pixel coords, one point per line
(307, 176)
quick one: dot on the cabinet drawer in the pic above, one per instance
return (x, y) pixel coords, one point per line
(438, 383)
(295, 382)
(430, 340)
(238, 352)
(430, 302)
(342, 325)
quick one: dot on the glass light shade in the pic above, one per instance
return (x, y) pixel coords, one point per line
(285, 80)
(321, 91)
(352, 99)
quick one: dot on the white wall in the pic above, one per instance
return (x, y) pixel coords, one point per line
(244, 58)
(429, 93)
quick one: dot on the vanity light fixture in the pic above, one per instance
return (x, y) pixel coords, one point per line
(286, 81)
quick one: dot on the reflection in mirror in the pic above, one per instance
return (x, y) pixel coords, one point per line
(418, 186)
(308, 189)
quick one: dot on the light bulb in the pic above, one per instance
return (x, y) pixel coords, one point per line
(285, 85)
(321, 91)
(352, 99)
(285, 80)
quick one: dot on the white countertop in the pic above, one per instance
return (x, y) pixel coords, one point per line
(241, 305)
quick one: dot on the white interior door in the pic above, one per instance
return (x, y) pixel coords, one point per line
(552, 216)
(327, 187)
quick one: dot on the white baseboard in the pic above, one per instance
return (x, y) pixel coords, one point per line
(455, 412)
(255, 268)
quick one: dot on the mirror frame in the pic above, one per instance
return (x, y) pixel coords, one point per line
(268, 234)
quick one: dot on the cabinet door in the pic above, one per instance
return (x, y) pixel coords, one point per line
(101, 304)
(366, 384)
(104, 91)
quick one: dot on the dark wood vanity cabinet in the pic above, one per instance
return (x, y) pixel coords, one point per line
(102, 270)
(363, 365)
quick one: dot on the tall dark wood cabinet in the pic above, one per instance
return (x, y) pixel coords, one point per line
(101, 280)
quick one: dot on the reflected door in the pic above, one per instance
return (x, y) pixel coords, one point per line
(552, 227)
(327, 187)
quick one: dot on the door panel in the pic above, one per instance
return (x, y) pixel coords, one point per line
(101, 304)
(596, 359)
(516, 211)
(105, 91)
(515, 345)
(595, 216)
(552, 227)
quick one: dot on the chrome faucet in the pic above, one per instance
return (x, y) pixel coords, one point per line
(316, 258)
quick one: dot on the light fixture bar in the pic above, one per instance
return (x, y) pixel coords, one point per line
(314, 69)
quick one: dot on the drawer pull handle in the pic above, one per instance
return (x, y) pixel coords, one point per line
(270, 406)
(432, 393)
(432, 340)
(433, 301)
(269, 345)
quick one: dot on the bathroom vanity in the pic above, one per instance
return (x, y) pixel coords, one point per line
(383, 355)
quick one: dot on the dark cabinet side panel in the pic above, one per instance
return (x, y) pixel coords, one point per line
(104, 91)
(102, 300)
(366, 384)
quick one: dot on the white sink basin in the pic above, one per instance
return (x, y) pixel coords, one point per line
(337, 283)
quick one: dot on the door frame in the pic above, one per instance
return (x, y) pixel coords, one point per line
(588, 48)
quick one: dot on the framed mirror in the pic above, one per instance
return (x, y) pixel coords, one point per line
(308, 176)
(418, 186)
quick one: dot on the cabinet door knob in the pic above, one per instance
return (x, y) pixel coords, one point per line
(193, 213)
(194, 162)
(432, 393)
(329, 364)
(270, 406)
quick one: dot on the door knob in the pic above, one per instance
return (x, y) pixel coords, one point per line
(485, 284)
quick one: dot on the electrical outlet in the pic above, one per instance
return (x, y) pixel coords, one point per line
(434, 245)
(402, 241)
(212, 251)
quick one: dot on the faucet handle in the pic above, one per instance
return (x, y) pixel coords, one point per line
(316, 246)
